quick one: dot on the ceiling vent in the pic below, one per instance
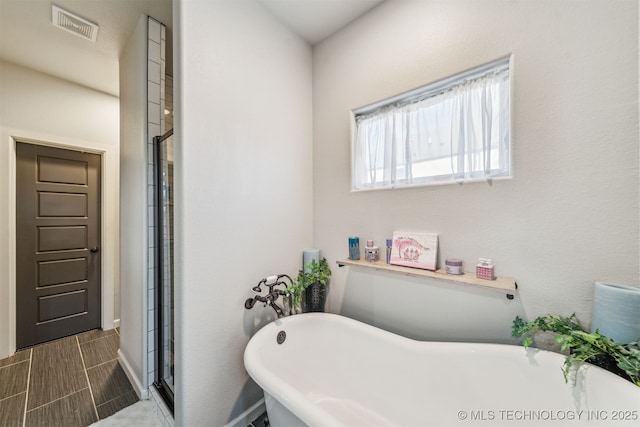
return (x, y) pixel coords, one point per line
(74, 24)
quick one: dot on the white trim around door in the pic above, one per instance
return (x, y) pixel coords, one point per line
(110, 227)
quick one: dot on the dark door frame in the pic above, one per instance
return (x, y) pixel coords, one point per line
(109, 275)
(165, 391)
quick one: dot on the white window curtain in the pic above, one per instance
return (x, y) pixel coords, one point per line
(460, 133)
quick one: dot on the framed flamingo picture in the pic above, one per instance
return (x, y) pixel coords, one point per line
(415, 249)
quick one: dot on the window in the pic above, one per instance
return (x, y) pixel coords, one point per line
(453, 130)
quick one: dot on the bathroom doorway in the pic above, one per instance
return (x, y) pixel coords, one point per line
(164, 305)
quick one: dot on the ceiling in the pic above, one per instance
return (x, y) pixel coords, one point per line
(315, 20)
(28, 38)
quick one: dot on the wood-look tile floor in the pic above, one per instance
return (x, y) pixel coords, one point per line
(70, 382)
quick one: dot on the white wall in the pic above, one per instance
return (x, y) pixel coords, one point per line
(46, 110)
(243, 197)
(133, 207)
(569, 216)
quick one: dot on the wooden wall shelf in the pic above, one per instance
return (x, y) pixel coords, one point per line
(502, 284)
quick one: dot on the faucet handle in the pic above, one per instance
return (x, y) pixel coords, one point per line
(271, 280)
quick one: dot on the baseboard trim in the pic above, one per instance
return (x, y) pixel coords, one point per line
(143, 393)
(116, 323)
(245, 418)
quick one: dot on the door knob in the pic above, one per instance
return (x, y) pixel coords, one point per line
(94, 249)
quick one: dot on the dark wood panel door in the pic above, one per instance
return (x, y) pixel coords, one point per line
(58, 290)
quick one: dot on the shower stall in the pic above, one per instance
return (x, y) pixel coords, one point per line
(164, 304)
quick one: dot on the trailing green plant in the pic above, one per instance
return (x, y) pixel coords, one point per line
(314, 272)
(582, 345)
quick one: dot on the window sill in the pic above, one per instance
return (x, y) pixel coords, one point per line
(505, 285)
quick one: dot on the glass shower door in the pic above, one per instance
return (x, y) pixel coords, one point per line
(164, 258)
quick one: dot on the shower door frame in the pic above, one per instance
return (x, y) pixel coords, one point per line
(164, 389)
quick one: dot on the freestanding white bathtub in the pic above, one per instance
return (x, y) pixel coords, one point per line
(334, 371)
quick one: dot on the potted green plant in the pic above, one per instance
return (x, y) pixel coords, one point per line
(582, 346)
(309, 289)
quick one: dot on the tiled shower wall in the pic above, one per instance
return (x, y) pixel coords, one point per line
(155, 127)
(159, 121)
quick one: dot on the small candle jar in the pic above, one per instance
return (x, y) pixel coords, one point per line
(371, 253)
(453, 266)
(485, 269)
